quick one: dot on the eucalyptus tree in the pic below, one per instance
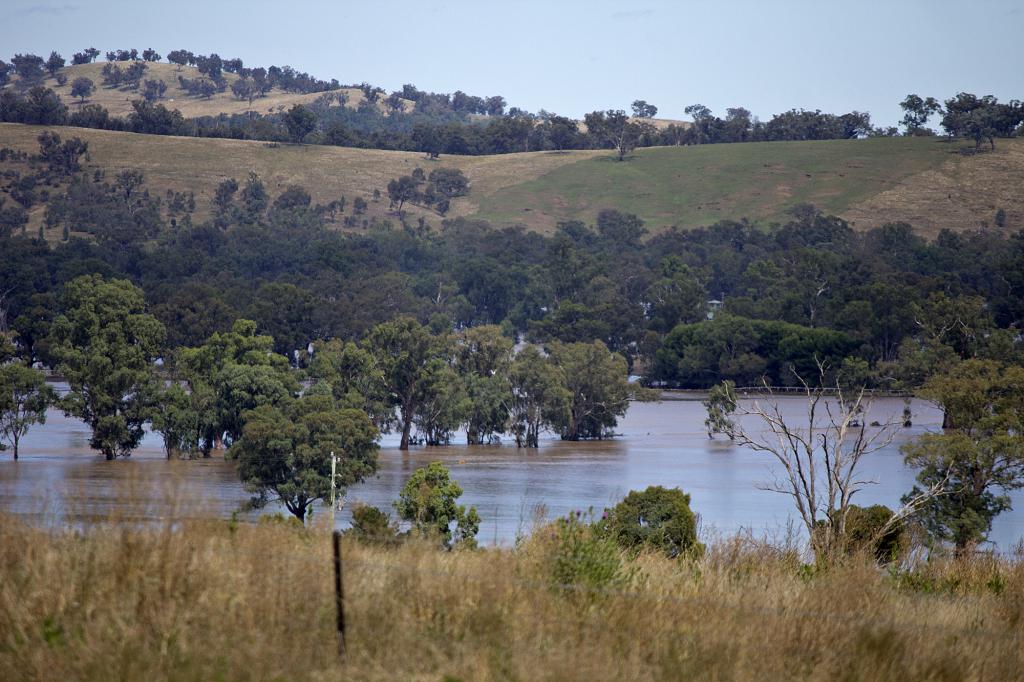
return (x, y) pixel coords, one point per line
(105, 345)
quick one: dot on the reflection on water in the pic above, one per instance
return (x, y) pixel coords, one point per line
(662, 443)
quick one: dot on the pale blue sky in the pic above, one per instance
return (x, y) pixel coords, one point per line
(574, 56)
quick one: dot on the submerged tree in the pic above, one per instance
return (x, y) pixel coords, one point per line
(24, 398)
(284, 453)
(429, 501)
(402, 350)
(235, 371)
(979, 458)
(105, 344)
(721, 404)
(539, 397)
(483, 356)
(597, 383)
(820, 455)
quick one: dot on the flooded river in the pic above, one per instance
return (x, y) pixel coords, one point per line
(59, 478)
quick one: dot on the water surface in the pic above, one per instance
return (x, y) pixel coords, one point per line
(59, 478)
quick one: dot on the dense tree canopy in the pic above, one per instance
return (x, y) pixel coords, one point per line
(104, 344)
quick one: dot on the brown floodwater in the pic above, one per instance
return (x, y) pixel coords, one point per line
(59, 479)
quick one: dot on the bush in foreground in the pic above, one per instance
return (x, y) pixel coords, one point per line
(656, 518)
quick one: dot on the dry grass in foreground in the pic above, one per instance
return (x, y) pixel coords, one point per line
(214, 600)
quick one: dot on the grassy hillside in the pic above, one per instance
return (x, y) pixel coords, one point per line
(925, 182)
(868, 181)
(118, 100)
(191, 164)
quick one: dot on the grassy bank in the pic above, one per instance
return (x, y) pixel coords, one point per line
(219, 601)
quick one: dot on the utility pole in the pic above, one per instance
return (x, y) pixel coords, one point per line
(334, 473)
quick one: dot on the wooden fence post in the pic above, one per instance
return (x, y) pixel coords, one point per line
(339, 593)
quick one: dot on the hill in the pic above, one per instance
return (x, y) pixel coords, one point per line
(188, 164)
(923, 181)
(118, 100)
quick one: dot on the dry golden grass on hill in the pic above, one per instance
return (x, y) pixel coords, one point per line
(118, 101)
(964, 192)
(197, 164)
(214, 600)
(923, 181)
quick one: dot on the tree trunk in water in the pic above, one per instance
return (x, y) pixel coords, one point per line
(406, 427)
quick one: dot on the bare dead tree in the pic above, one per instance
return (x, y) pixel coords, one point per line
(820, 455)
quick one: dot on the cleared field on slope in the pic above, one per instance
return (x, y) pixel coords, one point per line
(693, 186)
(925, 182)
(118, 101)
(195, 164)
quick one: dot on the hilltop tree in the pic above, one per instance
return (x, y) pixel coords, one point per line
(495, 106)
(211, 66)
(86, 56)
(981, 118)
(224, 200)
(155, 119)
(614, 129)
(29, 68)
(82, 88)
(150, 55)
(642, 109)
(284, 453)
(300, 122)
(917, 111)
(24, 399)
(448, 183)
(55, 63)
(180, 58)
(427, 140)
(560, 132)
(105, 343)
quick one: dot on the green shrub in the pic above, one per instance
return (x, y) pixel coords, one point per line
(370, 524)
(581, 556)
(658, 518)
(429, 501)
(862, 529)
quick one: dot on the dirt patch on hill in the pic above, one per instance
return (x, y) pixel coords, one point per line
(964, 193)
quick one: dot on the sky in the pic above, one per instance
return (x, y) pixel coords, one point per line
(574, 56)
